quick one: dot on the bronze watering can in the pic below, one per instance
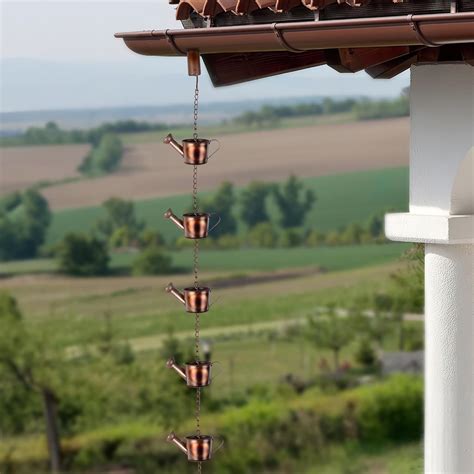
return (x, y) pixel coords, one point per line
(198, 447)
(196, 300)
(194, 150)
(197, 374)
(195, 225)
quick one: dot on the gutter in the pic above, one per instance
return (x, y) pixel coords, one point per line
(413, 30)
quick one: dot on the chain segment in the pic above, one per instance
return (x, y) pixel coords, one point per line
(196, 266)
(196, 108)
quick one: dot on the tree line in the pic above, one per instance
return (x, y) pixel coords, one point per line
(52, 134)
(268, 115)
(362, 109)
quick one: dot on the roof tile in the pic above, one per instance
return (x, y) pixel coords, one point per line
(210, 8)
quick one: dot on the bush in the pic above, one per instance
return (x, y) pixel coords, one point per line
(315, 238)
(290, 238)
(263, 235)
(81, 255)
(229, 242)
(392, 411)
(152, 261)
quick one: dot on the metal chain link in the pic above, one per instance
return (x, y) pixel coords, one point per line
(198, 411)
(196, 108)
(196, 266)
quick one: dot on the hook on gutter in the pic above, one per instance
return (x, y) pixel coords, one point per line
(281, 39)
(172, 43)
(416, 28)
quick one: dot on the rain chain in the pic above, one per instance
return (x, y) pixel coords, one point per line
(197, 373)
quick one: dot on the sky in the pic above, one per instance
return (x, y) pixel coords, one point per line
(62, 54)
(65, 29)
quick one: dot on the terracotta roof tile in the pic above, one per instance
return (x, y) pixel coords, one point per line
(210, 8)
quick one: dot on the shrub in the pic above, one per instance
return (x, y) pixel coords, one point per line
(263, 235)
(81, 255)
(315, 238)
(152, 261)
(229, 242)
(392, 411)
(290, 238)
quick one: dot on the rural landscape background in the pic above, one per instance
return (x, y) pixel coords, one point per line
(317, 320)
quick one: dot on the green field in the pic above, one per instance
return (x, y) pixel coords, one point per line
(342, 199)
(326, 258)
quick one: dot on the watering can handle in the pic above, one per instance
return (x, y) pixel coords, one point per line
(217, 223)
(218, 147)
(221, 443)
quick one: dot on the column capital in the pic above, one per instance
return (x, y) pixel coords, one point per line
(430, 229)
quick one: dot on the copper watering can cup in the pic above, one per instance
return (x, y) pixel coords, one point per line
(197, 447)
(196, 300)
(195, 225)
(197, 374)
(195, 151)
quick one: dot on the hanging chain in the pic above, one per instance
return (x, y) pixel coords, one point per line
(196, 108)
(196, 265)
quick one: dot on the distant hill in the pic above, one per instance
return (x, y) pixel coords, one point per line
(15, 122)
(84, 94)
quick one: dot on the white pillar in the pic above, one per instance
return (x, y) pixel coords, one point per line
(442, 216)
(449, 387)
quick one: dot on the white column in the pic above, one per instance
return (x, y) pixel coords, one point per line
(442, 216)
(449, 387)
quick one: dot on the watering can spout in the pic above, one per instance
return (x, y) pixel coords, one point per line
(175, 292)
(170, 215)
(169, 140)
(172, 438)
(171, 364)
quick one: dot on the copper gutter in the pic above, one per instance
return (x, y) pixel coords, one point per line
(411, 30)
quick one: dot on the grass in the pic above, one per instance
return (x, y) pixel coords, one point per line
(342, 199)
(356, 459)
(327, 258)
(73, 310)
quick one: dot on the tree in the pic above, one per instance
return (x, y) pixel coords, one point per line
(330, 331)
(30, 363)
(253, 203)
(24, 221)
(222, 203)
(104, 157)
(293, 202)
(81, 255)
(121, 219)
(409, 283)
(376, 225)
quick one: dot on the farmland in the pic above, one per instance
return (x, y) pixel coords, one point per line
(342, 199)
(153, 169)
(108, 336)
(22, 167)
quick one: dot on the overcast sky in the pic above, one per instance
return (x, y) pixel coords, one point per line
(63, 54)
(66, 29)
